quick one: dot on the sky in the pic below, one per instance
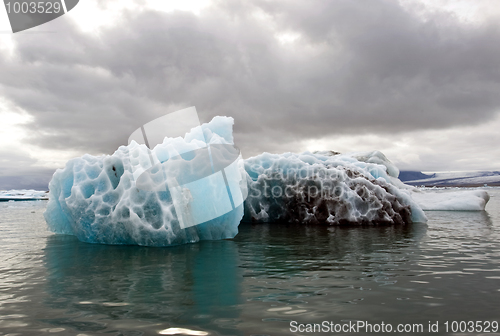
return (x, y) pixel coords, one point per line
(418, 80)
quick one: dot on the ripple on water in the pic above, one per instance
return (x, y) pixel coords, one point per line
(255, 284)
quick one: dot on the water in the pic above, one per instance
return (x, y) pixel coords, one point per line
(255, 284)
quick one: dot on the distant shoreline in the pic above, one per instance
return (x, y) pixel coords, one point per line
(22, 199)
(472, 185)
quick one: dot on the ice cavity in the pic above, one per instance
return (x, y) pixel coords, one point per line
(97, 199)
(326, 187)
(464, 200)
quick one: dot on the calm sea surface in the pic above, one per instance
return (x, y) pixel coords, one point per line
(260, 283)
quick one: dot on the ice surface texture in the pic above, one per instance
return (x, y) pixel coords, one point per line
(326, 187)
(97, 200)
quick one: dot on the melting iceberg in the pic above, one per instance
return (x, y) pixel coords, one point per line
(195, 186)
(133, 197)
(326, 187)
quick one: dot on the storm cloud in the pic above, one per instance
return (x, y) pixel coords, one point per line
(351, 67)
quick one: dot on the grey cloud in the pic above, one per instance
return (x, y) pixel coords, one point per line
(38, 180)
(18, 171)
(359, 67)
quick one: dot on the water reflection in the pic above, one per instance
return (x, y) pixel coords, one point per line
(215, 286)
(180, 286)
(461, 219)
(397, 274)
(298, 248)
(311, 273)
(254, 284)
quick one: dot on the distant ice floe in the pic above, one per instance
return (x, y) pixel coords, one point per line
(23, 195)
(99, 199)
(462, 200)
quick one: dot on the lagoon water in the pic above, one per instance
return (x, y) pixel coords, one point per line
(256, 284)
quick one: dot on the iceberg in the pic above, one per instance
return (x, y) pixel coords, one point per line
(327, 187)
(446, 200)
(126, 199)
(195, 186)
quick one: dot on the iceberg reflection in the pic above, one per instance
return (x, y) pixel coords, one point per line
(180, 286)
